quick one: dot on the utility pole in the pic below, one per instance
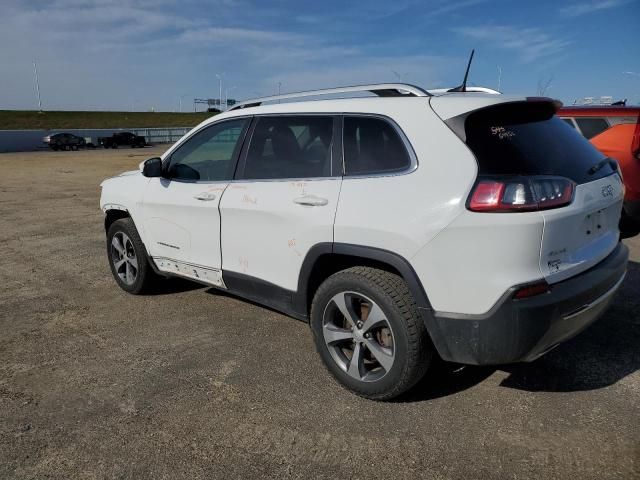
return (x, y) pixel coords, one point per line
(279, 89)
(35, 74)
(499, 77)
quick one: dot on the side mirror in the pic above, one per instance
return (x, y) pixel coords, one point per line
(152, 167)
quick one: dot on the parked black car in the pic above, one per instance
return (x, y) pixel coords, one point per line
(122, 138)
(64, 141)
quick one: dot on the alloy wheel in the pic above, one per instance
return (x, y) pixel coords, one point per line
(123, 257)
(359, 336)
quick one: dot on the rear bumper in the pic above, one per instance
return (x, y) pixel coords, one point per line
(522, 330)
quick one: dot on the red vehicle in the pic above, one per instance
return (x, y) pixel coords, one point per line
(615, 131)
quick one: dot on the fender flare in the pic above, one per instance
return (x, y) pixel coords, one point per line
(399, 263)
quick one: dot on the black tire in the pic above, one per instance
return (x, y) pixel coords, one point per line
(412, 348)
(145, 277)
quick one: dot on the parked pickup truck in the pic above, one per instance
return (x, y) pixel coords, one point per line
(122, 138)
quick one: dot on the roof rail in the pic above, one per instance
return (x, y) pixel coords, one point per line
(380, 89)
(437, 91)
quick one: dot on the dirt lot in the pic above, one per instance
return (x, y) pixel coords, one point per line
(191, 383)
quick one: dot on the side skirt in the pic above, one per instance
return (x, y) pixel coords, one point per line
(263, 293)
(198, 273)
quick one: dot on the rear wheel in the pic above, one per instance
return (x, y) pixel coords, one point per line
(128, 258)
(369, 334)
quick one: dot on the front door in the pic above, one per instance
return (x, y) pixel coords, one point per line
(283, 200)
(181, 211)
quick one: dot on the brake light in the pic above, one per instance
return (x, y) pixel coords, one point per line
(519, 194)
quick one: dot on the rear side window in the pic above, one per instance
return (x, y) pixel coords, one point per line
(372, 145)
(590, 127)
(290, 147)
(528, 139)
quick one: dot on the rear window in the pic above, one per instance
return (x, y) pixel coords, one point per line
(528, 139)
(590, 127)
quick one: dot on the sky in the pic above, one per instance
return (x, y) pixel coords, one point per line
(152, 54)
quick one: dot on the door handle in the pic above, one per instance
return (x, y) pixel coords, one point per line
(311, 201)
(205, 196)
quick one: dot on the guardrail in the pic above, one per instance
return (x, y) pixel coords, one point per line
(30, 140)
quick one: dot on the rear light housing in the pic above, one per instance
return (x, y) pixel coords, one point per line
(635, 144)
(520, 194)
(531, 290)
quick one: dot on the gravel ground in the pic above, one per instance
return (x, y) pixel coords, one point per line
(192, 383)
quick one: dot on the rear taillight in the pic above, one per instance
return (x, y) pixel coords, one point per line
(518, 194)
(635, 144)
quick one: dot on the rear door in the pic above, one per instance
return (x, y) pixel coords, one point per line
(526, 139)
(180, 211)
(283, 199)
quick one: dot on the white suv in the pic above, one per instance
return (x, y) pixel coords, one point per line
(474, 226)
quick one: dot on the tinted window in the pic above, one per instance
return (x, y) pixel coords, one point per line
(290, 147)
(528, 139)
(372, 145)
(208, 155)
(568, 121)
(590, 127)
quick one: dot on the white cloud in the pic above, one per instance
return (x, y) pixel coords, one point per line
(530, 44)
(582, 8)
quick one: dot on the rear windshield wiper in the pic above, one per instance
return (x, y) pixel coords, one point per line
(607, 161)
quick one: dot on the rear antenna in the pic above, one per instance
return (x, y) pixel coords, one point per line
(463, 87)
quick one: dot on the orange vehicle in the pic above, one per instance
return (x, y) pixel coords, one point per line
(615, 131)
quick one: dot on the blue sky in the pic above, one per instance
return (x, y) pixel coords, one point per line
(143, 54)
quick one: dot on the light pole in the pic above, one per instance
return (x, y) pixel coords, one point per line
(226, 97)
(35, 74)
(180, 103)
(220, 79)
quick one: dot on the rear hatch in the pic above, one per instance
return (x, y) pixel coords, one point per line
(536, 162)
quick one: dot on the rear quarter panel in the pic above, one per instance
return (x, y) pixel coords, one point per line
(403, 212)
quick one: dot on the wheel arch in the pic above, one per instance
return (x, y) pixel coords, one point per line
(325, 259)
(112, 214)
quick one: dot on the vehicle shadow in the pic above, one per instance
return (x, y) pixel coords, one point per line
(167, 286)
(598, 357)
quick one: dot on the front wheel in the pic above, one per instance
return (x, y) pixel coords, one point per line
(128, 258)
(369, 334)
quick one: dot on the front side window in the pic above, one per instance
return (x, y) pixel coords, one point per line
(372, 145)
(209, 154)
(590, 127)
(290, 147)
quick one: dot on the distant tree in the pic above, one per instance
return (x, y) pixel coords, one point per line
(543, 85)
